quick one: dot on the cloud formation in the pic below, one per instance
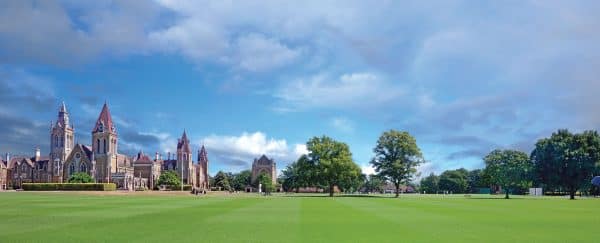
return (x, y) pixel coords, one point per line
(240, 151)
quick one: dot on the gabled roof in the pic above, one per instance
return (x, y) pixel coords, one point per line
(142, 158)
(104, 120)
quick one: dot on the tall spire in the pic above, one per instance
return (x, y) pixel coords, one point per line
(202, 155)
(184, 143)
(104, 122)
(63, 107)
(63, 116)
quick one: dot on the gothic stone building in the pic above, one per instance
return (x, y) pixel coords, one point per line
(101, 160)
(264, 165)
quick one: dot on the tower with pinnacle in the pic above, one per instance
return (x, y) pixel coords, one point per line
(62, 136)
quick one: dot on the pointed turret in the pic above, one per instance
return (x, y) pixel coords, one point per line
(202, 155)
(63, 117)
(183, 145)
(104, 122)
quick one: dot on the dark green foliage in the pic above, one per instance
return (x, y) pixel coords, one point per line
(81, 177)
(331, 161)
(69, 186)
(429, 184)
(396, 157)
(222, 181)
(240, 180)
(566, 160)
(170, 179)
(266, 183)
(374, 183)
(454, 181)
(508, 168)
(475, 180)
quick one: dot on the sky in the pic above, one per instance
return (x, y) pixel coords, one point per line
(246, 78)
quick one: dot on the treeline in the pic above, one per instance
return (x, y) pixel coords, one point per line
(329, 165)
(563, 163)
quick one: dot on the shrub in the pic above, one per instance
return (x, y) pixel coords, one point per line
(69, 186)
(81, 177)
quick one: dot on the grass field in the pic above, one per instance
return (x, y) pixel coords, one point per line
(77, 217)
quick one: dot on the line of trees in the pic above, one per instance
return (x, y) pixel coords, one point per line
(564, 162)
(329, 164)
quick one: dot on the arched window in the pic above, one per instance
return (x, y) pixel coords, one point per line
(56, 141)
(97, 145)
(83, 168)
(104, 145)
(72, 168)
(62, 141)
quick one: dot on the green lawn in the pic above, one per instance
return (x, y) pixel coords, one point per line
(72, 217)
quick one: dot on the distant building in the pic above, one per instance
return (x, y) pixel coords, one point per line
(101, 160)
(266, 166)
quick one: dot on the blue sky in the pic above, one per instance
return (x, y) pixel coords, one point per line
(253, 77)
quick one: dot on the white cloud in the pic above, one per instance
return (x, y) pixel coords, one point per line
(259, 53)
(241, 150)
(342, 124)
(353, 90)
(367, 169)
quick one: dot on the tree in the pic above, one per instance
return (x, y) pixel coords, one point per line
(507, 168)
(240, 180)
(289, 177)
(333, 162)
(396, 157)
(475, 180)
(430, 183)
(265, 181)
(222, 181)
(81, 177)
(169, 178)
(453, 180)
(374, 183)
(566, 160)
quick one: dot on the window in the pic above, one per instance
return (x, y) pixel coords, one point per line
(83, 168)
(104, 145)
(98, 146)
(72, 169)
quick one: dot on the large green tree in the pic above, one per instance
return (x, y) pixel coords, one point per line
(475, 180)
(333, 162)
(454, 181)
(566, 160)
(396, 157)
(80, 177)
(169, 178)
(430, 183)
(222, 181)
(265, 181)
(240, 180)
(507, 168)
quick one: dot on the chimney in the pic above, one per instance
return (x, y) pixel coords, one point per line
(37, 154)
(156, 156)
(169, 156)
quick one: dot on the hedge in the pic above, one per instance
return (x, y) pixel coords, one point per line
(69, 186)
(178, 188)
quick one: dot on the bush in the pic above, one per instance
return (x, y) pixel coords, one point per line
(81, 177)
(69, 186)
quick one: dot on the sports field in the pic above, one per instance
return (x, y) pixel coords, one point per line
(80, 217)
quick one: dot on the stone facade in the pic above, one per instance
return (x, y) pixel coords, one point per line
(101, 160)
(264, 165)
